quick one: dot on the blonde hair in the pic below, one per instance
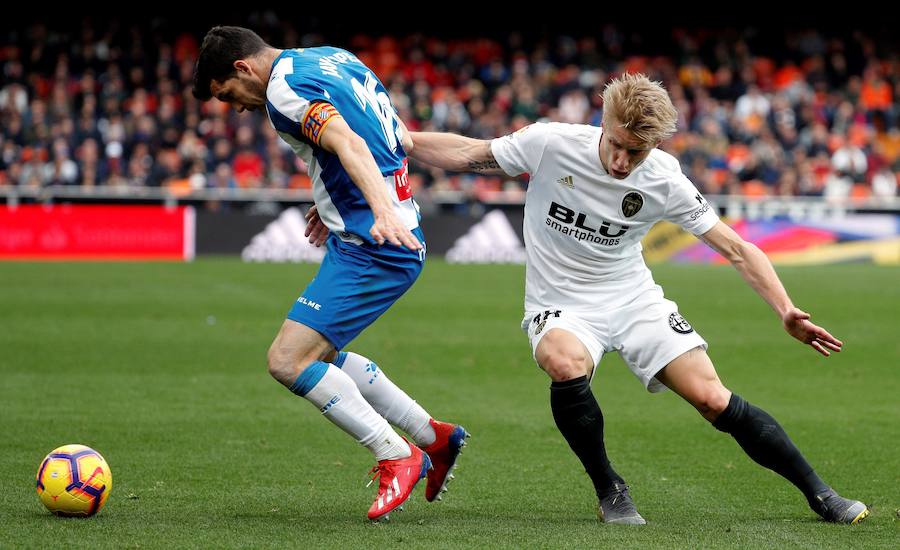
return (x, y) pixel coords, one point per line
(641, 105)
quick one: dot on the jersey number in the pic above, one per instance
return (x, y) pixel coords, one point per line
(367, 95)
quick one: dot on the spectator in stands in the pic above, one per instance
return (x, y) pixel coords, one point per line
(751, 110)
(885, 183)
(92, 169)
(62, 170)
(849, 161)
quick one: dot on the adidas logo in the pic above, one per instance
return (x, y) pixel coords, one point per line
(392, 492)
(490, 241)
(283, 241)
(568, 181)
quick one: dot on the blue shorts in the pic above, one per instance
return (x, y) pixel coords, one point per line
(354, 286)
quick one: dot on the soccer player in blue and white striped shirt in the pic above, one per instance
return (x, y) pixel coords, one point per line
(336, 115)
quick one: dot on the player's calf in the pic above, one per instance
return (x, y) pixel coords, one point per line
(391, 402)
(580, 420)
(441, 441)
(765, 441)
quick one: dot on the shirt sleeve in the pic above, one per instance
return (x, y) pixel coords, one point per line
(521, 151)
(688, 208)
(320, 111)
(302, 107)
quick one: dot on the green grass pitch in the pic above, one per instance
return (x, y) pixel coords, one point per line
(161, 368)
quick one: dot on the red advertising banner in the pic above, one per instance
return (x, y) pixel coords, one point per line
(96, 232)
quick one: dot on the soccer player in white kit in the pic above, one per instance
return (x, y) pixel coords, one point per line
(592, 196)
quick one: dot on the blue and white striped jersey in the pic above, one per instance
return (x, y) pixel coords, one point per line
(308, 88)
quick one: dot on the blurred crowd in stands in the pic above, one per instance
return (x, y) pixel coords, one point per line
(110, 104)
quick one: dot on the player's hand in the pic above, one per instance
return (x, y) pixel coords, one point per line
(315, 228)
(797, 323)
(389, 228)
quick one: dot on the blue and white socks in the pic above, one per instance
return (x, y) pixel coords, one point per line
(336, 395)
(391, 402)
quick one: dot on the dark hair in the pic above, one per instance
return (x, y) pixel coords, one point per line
(221, 47)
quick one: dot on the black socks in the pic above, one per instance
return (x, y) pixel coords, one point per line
(578, 417)
(764, 440)
(580, 421)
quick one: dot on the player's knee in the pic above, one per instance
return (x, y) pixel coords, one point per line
(719, 402)
(285, 364)
(562, 358)
(563, 366)
(711, 402)
(282, 365)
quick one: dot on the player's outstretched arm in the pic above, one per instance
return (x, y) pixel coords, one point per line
(454, 152)
(755, 267)
(356, 158)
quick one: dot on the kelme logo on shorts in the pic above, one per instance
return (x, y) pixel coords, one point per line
(679, 324)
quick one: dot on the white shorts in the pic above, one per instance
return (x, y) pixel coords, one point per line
(648, 333)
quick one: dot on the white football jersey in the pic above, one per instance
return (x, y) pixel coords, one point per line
(583, 227)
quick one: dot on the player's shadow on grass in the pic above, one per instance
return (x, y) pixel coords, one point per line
(462, 516)
(334, 517)
(38, 515)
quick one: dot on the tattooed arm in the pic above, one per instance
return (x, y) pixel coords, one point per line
(455, 153)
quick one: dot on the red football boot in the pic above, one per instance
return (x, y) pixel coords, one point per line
(397, 480)
(449, 442)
